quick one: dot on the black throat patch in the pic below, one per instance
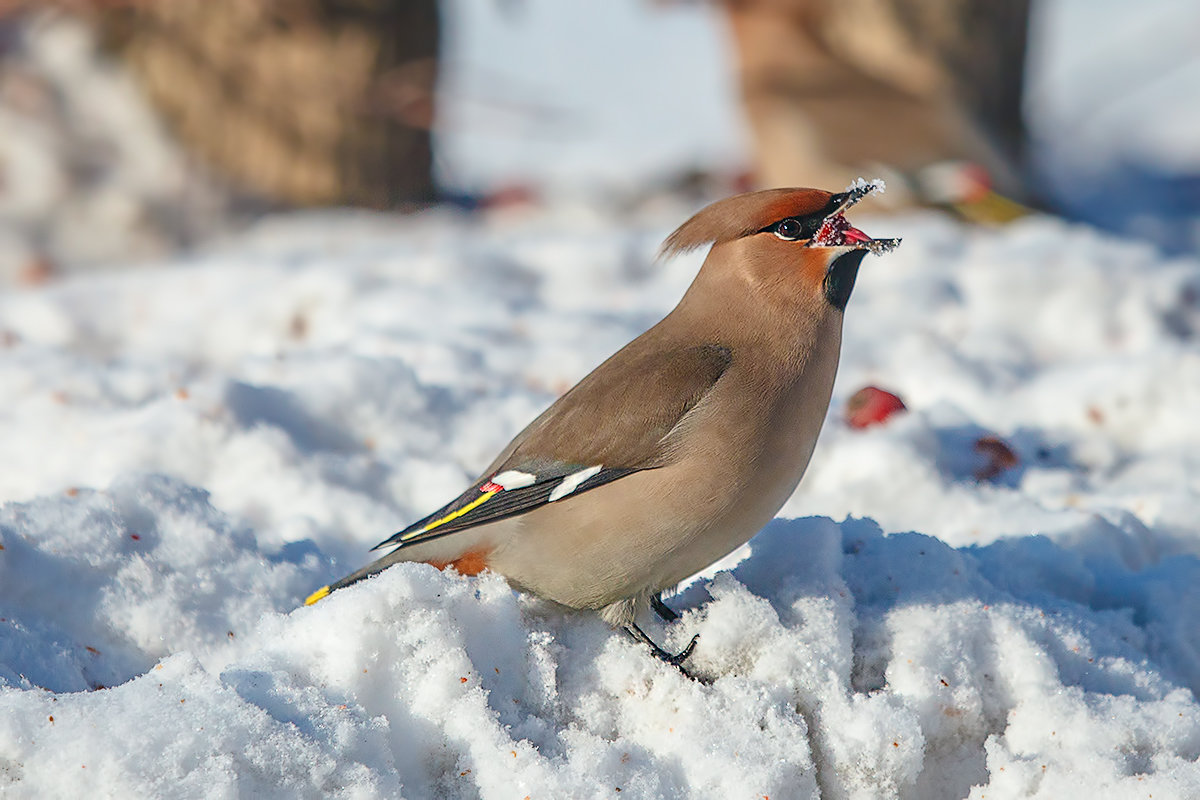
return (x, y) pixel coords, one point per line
(840, 277)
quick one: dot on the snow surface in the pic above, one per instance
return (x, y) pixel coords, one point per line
(190, 451)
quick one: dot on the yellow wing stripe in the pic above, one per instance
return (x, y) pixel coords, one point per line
(488, 491)
(487, 494)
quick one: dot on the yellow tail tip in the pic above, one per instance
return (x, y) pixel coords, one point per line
(317, 595)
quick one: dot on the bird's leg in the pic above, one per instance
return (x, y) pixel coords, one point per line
(675, 660)
(664, 611)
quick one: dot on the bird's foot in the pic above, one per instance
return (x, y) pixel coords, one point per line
(676, 660)
(664, 611)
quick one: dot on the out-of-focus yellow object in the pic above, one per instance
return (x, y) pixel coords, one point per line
(992, 209)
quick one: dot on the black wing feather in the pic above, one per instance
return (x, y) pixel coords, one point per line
(502, 505)
(594, 423)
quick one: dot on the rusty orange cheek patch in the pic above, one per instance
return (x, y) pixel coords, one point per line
(470, 563)
(812, 269)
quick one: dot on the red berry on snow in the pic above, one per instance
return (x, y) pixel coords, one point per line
(871, 406)
(999, 457)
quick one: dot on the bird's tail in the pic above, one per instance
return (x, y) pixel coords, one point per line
(354, 577)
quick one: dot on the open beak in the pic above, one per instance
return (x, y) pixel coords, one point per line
(836, 230)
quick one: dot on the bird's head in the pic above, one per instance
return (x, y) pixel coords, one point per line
(797, 237)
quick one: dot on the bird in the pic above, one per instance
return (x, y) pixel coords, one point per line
(678, 448)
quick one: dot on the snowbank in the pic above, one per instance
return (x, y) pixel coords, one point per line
(189, 452)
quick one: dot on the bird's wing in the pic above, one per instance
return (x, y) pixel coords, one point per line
(615, 422)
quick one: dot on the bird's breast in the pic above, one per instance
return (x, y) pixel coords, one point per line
(742, 451)
(756, 450)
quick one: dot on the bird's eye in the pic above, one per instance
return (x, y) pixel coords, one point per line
(789, 230)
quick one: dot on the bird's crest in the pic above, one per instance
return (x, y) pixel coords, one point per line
(743, 214)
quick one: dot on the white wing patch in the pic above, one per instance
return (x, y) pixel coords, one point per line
(572, 481)
(514, 479)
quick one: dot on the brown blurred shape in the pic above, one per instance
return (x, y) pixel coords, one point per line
(836, 88)
(304, 102)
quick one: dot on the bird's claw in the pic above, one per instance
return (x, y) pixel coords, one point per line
(678, 659)
(674, 659)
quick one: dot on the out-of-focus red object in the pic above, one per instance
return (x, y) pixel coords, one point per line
(37, 271)
(512, 196)
(871, 406)
(999, 457)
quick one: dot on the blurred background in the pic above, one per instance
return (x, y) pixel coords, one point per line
(134, 129)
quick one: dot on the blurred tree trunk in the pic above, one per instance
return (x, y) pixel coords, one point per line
(835, 87)
(305, 102)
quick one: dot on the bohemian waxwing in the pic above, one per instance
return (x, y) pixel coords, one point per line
(683, 444)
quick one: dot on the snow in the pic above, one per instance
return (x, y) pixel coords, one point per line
(189, 452)
(876, 185)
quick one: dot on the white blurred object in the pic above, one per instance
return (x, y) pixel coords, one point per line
(87, 173)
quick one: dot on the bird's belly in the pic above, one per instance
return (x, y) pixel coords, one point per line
(746, 514)
(588, 555)
(651, 530)
(776, 458)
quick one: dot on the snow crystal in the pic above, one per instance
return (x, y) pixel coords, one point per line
(864, 185)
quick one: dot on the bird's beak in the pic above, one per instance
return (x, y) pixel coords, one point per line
(836, 231)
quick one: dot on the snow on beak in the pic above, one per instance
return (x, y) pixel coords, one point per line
(836, 230)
